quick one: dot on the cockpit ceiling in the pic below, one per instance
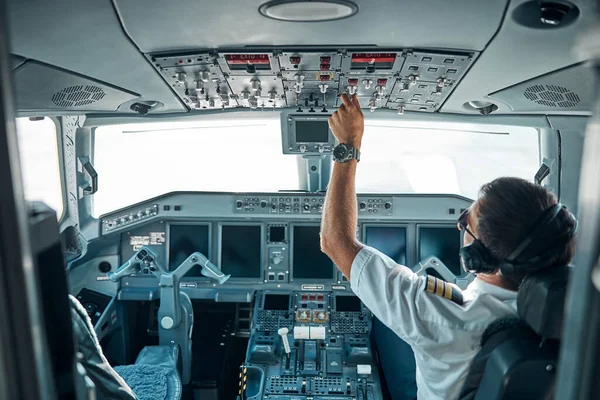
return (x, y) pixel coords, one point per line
(111, 45)
(158, 26)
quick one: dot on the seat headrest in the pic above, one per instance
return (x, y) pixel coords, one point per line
(541, 301)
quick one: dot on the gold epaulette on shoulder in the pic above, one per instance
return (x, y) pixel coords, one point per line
(442, 288)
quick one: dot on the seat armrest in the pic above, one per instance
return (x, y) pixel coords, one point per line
(167, 356)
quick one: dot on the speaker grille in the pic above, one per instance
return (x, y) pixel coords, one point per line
(78, 96)
(552, 96)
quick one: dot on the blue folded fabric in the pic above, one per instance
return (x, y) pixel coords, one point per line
(148, 382)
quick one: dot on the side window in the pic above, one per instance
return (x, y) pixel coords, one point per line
(38, 152)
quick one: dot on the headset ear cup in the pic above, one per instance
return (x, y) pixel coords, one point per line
(475, 258)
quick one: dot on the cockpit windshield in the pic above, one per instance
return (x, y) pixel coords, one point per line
(139, 161)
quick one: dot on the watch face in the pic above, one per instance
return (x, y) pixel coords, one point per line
(340, 152)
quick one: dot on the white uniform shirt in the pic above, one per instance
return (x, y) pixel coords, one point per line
(444, 336)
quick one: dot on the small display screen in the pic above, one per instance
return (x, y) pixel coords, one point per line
(277, 234)
(442, 242)
(277, 302)
(312, 131)
(185, 240)
(309, 261)
(347, 304)
(241, 251)
(389, 240)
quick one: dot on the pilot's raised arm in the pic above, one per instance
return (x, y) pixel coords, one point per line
(443, 325)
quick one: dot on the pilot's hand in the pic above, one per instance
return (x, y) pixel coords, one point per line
(348, 122)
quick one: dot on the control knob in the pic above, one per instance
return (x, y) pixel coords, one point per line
(352, 90)
(413, 79)
(302, 148)
(306, 207)
(303, 315)
(362, 205)
(367, 83)
(323, 88)
(238, 204)
(387, 205)
(204, 76)
(400, 109)
(321, 315)
(276, 259)
(263, 204)
(181, 78)
(380, 91)
(255, 85)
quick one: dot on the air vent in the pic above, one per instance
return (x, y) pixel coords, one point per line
(552, 96)
(78, 96)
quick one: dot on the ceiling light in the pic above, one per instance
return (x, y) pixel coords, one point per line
(308, 10)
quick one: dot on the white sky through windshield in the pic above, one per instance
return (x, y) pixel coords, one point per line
(137, 162)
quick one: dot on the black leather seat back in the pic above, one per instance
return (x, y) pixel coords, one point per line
(518, 358)
(52, 284)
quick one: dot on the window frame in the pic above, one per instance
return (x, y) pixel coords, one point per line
(64, 215)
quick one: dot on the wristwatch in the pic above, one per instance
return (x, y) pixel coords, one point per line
(344, 152)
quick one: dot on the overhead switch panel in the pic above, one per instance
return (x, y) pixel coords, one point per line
(311, 81)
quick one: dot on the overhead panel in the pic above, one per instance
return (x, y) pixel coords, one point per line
(311, 80)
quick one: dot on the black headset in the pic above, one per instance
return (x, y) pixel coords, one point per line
(476, 258)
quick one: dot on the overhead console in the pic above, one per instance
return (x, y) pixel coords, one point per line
(311, 81)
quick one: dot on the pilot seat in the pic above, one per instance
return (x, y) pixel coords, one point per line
(154, 376)
(518, 357)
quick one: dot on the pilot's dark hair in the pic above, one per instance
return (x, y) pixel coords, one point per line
(507, 209)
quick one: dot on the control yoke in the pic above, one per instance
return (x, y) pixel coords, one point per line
(169, 312)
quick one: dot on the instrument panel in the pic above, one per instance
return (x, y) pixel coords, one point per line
(278, 246)
(312, 81)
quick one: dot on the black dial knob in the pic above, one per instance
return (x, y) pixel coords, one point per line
(363, 205)
(238, 204)
(263, 204)
(306, 207)
(104, 267)
(388, 206)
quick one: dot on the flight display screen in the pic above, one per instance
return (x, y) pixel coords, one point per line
(241, 250)
(277, 302)
(309, 261)
(312, 131)
(442, 242)
(185, 240)
(390, 240)
(347, 304)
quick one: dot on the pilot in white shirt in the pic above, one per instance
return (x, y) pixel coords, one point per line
(443, 325)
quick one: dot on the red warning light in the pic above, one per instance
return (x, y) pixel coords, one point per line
(325, 67)
(295, 60)
(324, 78)
(373, 58)
(353, 81)
(325, 60)
(254, 59)
(381, 82)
